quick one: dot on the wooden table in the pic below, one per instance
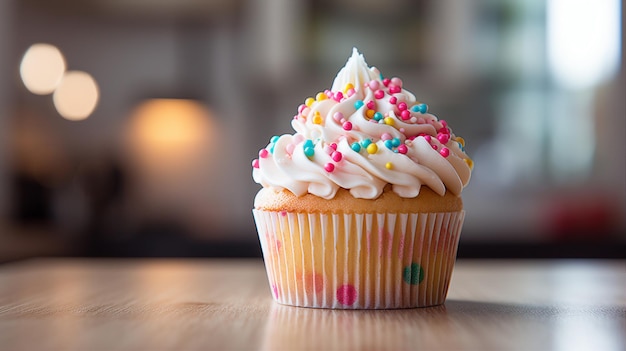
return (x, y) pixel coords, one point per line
(83, 304)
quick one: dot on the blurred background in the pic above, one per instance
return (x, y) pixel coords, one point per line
(127, 128)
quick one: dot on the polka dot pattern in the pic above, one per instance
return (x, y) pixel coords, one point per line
(346, 295)
(413, 274)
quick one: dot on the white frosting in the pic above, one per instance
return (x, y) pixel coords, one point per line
(284, 164)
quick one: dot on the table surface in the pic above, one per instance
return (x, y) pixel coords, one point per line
(87, 304)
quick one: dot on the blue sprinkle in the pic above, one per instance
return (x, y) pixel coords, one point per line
(378, 116)
(309, 151)
(395, 142)
(366, 142)
(358, 104)
(274, 139)
(396, 151)
(308, 143)
(356, 147)
(381, 76)
(416, 108)
(423, 108)
(272, 149)
(389, 144)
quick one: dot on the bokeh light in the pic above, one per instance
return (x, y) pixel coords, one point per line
(42, 68)
(76, 96)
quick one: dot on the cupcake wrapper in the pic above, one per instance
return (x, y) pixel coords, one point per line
(359, 261)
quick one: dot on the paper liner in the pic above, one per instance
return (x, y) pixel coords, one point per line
(359, 261)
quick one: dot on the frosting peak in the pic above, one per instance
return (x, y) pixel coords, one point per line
(364, 133)
(355, 72)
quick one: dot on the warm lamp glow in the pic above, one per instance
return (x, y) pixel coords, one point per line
(42, 68)
(169, 126)
(76, 96)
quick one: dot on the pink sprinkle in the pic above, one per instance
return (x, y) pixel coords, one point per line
(255, 163)
(263, 153)
(444, 152)
(421, 120)
(329, 167)
(337, 116)
(435, 147)
(386, 136)
(343, 120)
(336, 156)
(371, 105)
(427, 137)
(338, 96)
(289, 148)
(405, 115)
(347, 126)
(301, 107)
(401, 130)
(386, 81)
(329, 150)
(396, 81)
(379, 94)
(444, 130)
(393, 100)
(403, 149)
(350, 92)
(393, 89)
(443, 138)
(402, 106)
(333, 146)
(444, 123)
(374, 84)
(306, 111)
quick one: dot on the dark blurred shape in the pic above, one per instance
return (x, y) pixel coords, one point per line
(32, 200)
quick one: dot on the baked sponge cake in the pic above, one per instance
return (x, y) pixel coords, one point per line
(361, 207)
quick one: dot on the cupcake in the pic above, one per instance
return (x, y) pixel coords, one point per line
(361, 207)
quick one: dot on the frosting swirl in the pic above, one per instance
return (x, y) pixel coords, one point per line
(367, 131)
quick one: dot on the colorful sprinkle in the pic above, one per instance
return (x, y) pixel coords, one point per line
(393, 89)
(309, 151)
(386, 81)
(255, 163)
(309, 101)
(445, 152)
(372, 148)
(347, 126)
(370, 113)
(348, 87)
(395, 142)
(379, 94)
(469, 162)
(388, 165)
(356, 147)
(374, 84)
(443, 138)
(320, 97)
(350, 92)
(329, 167)
(386, 136)
(301, 108)
(461, 141)
(338, 96)
(389, 121)
(413, 274)
(337, 116)
(317, 119)
(405, 115)
(336, 156)
(378, 116)
(393, 100)
(366, 142)
(358, 104)
(403, 149)
(263, 153)
(396, 81)
(402, 106)
(274, 139)
(371, 104)
(388, 144)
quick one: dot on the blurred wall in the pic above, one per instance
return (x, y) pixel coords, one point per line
(481, 65)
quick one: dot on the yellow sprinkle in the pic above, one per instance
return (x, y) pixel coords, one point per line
(370, 113)
(388, 165)
(469, 162)
(321, 96)
(348, 87)
(389, 121)
(309, 101)
(372, 148)
(317, 119)
(461, 140)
